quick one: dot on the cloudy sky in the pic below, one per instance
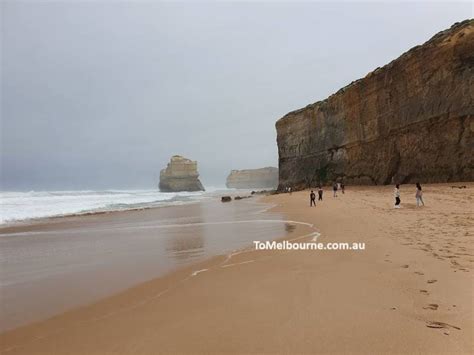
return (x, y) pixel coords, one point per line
(99, 94)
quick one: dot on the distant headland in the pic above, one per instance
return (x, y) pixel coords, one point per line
(253, 178)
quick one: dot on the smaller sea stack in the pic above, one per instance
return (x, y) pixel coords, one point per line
(253, 178)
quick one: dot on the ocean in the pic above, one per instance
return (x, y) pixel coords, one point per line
(21, 206)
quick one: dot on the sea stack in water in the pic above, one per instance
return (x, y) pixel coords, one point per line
(253, 178)
(180, 175)
(411, 120)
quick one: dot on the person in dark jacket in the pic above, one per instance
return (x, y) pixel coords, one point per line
(312, 198)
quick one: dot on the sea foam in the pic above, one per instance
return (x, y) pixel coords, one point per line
(19, 206)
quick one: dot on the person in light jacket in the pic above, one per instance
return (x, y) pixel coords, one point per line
(419, 195)
(396, 194)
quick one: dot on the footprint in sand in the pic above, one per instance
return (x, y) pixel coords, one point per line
(405, 266)
(440, 325)
(419, 273)
(431, 281)
(432, 306)
(424, 292)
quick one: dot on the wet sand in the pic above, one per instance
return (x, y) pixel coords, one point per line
(70, 262)
(409, 291)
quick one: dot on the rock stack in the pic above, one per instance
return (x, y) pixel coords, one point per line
(180, 175)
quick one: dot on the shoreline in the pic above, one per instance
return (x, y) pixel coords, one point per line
(14, 225)
(401, 294)
(171, 202)
(99, 252)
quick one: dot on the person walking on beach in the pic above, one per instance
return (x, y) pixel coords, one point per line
(419, 195)
(396, 193)
(342, 187)
(312, 198)
(289, 190)
(334, 189)
(320, 193)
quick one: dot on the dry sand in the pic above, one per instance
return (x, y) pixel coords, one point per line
(410, 291)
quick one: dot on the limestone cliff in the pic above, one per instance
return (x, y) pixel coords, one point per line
(253, 178)
(411, 120)
(180, 175)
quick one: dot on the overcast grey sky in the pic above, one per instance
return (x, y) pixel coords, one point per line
(101, 94)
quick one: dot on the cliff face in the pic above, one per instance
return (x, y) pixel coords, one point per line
(253, 178)
(180, 175)
(411, 120)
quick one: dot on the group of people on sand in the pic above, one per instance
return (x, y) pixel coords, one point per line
(335, 187)
(312, 196)
(339, 186)
(418, 195)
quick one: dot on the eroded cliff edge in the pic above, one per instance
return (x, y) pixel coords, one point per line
(253, 178)
(411, 120)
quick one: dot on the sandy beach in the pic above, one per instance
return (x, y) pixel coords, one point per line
(409, 291)
(160, 166)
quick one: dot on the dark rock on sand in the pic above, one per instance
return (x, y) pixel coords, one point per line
(241, 197)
